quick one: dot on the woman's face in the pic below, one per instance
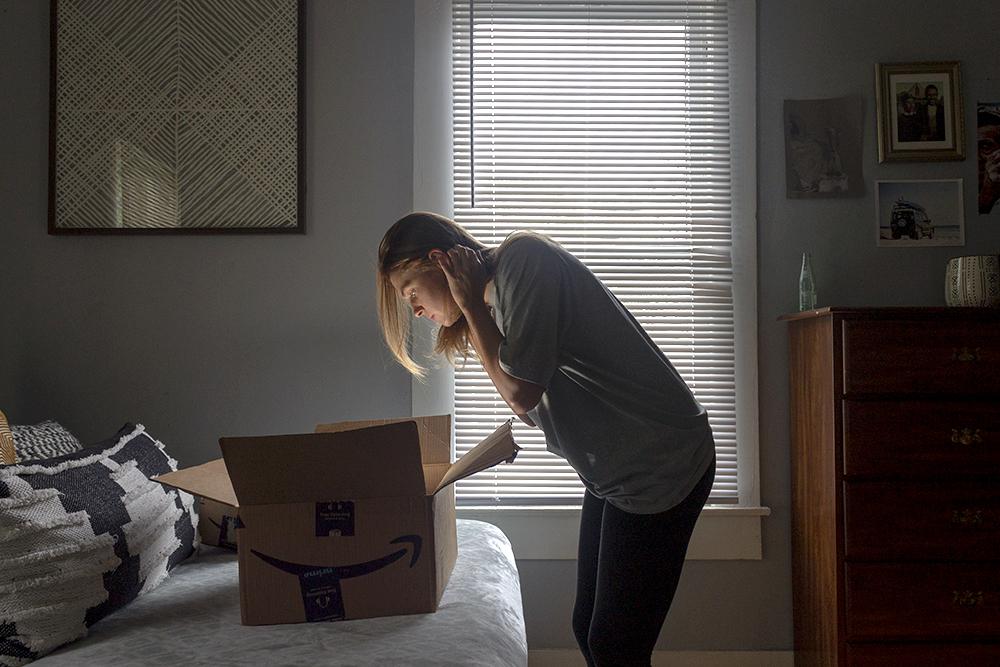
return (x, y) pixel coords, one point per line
(425, 288)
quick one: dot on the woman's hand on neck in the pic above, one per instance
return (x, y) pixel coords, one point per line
(467, 276)
(469, 284)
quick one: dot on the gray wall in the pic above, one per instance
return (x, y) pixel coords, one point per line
(202, 337)
(818, 50)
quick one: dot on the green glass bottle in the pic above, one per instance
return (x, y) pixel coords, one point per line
(807, 284)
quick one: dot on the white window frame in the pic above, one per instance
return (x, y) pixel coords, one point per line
(724, 532)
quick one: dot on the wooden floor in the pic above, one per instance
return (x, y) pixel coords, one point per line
(571, 658)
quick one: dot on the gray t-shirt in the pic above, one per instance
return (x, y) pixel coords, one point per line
(614, 406)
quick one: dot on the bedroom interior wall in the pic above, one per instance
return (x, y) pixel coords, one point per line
(199, 337)
(202, 337)
(821, 50)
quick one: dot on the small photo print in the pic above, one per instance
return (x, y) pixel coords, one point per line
(920, 213)
(921, 112)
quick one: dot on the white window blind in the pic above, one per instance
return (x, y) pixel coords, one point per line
(607, 127)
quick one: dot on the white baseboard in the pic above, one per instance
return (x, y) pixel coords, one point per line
(572, 658)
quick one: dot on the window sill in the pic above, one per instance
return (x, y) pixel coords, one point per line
(723, 532)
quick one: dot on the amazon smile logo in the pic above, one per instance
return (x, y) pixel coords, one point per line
(320, 584)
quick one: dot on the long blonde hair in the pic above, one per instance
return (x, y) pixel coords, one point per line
(405, 246)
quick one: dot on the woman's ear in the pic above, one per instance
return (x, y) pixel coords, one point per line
(436, 255)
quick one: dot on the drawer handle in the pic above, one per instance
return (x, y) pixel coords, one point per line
(966, 436)
(966, 354)
(968, 598)
(968, 517)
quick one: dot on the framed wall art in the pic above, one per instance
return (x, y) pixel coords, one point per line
(920, 112)
(176, 116)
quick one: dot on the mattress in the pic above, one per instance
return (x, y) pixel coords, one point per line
(193, 618)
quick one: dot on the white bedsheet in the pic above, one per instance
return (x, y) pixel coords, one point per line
(193, 618)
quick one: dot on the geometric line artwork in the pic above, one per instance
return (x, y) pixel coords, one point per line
(176, 116)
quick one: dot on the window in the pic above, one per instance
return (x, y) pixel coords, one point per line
(622, 130)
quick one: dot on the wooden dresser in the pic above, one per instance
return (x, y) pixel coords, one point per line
(895, 474)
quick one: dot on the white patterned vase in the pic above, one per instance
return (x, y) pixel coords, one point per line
(973, 281)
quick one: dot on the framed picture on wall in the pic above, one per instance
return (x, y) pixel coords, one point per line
(176, 117)
(920, 213)
(920, 112)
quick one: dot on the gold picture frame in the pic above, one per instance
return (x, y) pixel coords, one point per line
(920, 113)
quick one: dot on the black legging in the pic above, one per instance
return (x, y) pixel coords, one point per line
(627, 574)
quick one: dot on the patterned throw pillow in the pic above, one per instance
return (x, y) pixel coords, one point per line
(82, 535)
(43, 441)
(7, 454)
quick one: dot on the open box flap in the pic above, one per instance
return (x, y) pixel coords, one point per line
(209, 480)
(496, 447)
(434, 433)
(360, 463)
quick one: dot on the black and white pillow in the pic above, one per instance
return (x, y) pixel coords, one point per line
(83, 534)
(43, 441)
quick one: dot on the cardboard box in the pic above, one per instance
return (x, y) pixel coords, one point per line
(217, 524)
(353, 521)
(218, 514)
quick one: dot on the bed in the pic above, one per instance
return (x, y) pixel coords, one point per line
(177, 603)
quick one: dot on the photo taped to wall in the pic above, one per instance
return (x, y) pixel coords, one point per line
(920, 213)
(988, 142)
(823, 148)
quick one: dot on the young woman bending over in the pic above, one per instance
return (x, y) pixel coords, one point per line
(569, 358)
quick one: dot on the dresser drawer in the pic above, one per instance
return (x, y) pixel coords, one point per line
(922, 521)
(913, 601)
(921, 357)
(921, 438)
(922, 655)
